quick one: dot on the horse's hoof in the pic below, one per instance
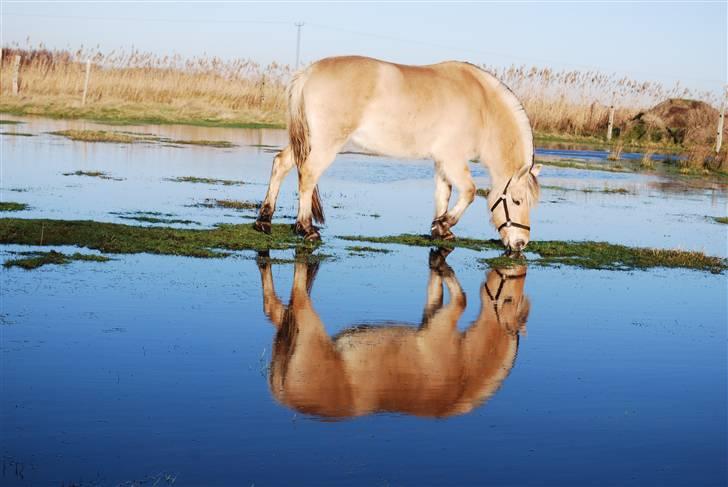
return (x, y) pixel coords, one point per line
(440, 230)
(263, 259)
(312, 236)
(262, 226)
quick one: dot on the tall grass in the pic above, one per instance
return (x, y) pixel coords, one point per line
(211, 85)
(577, 102)
(208, 87)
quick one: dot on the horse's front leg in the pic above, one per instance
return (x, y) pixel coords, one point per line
(443, 190)
(457, 174)
(282, 164)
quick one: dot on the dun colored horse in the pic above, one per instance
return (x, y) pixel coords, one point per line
(451, 112)
(432, 371)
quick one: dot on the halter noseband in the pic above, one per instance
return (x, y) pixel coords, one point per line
(508, 222)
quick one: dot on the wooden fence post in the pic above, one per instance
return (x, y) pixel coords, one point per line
(85, 83)
(610, 125)
(16, 71)
(261, 96)
(721, 117)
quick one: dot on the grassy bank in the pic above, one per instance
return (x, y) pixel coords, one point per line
(33, 260)
(116, 238)
(590, 255)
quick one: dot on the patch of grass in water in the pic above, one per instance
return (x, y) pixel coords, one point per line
(221, 144)
(230, 204)
(194, 179)
(116, 238)
(589, 190)
(93, 174)
(361, 249)
(33, 260)
(504, 261)
(573, 164)
(589, 255)
(96, 136)
(10, 122)
(12, 206)
(483, 192)
(18, 134)
(154, 219)
(721, 219)
(125, 137)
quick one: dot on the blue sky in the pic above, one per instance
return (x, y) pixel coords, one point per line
(657, 41)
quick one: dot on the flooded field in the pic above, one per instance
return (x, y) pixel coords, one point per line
(379, 365)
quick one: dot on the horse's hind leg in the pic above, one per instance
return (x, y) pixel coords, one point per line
(457, 174)
(308, 175)
(282, 164)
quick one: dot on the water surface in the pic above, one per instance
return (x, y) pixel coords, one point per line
(231, 372)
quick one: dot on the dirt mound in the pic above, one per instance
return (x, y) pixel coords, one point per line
(680, 121)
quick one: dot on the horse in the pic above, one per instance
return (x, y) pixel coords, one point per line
(432, 370)
(451, 112)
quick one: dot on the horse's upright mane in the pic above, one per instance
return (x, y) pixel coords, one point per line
(519, 113)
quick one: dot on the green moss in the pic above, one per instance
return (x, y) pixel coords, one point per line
(10, 122)
(12, 206)
(33, 260)
(504, 261)
(222, 144)
(193, 179)
(589, 190)
(154, 219)
(590, 255)
(115, 238)
(93, 174)
(96, 136)
(482, 192)
(229, 204)
(721, 219)
(130, 115)
(125, 137)
(573, 164)
(359, 249)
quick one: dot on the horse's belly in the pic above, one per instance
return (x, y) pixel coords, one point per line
(386, 141)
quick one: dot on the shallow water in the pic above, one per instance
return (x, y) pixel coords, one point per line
(153, 368)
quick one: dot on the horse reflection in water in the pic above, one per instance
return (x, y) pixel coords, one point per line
(432, 371)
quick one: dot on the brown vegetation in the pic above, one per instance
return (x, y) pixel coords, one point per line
(137, 86)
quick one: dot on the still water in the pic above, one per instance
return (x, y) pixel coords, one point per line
(405, 368)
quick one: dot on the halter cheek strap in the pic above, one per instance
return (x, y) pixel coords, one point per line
(495, 297)
(508, 222)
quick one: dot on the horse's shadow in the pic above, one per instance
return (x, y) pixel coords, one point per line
(432, 370)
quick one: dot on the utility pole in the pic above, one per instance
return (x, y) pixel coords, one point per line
(298, 43)
(721, 117)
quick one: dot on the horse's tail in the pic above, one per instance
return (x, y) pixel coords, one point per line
(299, 135)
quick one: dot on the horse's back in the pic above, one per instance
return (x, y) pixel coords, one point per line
(396, 109)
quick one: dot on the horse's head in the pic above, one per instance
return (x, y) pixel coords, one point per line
(511, 207)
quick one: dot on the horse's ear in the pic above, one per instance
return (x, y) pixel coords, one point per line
(536, 169)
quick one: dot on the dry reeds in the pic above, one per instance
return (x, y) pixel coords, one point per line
(203, 83)
(142, 85)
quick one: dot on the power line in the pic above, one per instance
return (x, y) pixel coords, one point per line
(372, 35)
(298, 43)
(149, 19)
